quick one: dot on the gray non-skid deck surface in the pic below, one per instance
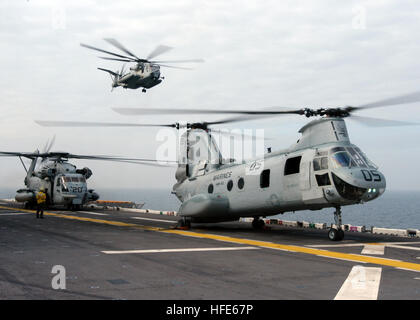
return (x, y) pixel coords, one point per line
(30, 247)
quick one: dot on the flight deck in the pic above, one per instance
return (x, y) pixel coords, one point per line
(117, 254)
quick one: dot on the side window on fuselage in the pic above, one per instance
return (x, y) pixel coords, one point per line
(265, 178)
(320, 163)
(292, 165)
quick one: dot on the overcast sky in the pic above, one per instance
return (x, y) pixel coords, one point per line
(258, 54)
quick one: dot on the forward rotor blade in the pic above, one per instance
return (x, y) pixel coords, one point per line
(146, 111)
(123, 159)
(375, 122)
(180, 61)
(57, 155)
(97, 124)
(104, 51)
(116, 59)
(51, 144)
(238, 134)
(158, 51)
(403, 99)
(19, 154)
(115, 43)
(46, 146)
(174, 67)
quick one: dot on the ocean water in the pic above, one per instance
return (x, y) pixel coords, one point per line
(394, 209)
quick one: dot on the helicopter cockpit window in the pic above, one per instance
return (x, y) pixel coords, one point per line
(366, 159)
(337, 149)
(74, 179)
(356, 157)
(63, 184)
(342, 159)
(320, 163)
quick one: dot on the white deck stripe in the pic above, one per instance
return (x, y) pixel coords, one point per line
(402, 247)
(335, 245)
(180, 250)
(150, 219)
(359, 244)
(374, 249)
(15, 213)
(94, 213)
(361, 284)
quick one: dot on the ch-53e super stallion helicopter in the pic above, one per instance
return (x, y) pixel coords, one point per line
(322, 170)
(63, 183)
(145, 74)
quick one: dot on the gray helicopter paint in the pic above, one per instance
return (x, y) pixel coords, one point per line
(49, 175)
(292, 192)
(143, 75)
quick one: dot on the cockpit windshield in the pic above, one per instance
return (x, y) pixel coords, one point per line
(73, 179)
(341, 159)
(350, 157)
(366, 159)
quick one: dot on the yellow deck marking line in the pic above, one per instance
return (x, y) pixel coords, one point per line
(264, 244)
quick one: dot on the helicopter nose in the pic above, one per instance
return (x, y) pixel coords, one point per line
(359, 184)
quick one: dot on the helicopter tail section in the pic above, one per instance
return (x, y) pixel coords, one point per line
(31, 168)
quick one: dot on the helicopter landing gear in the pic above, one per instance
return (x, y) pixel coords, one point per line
(143, 90)
(258, 223)
(184, 223)
(336, 234)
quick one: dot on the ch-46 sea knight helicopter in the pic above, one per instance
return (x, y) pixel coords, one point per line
(64, 184)
(145, 73)
(323, 169)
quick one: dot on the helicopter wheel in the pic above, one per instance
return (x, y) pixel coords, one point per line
(143, 90)
(184, 223)
(258, 223)
(336, 234)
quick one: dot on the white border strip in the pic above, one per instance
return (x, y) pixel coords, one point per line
(180, 250)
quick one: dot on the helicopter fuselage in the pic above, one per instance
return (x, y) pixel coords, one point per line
(322, 170)
(145, 75)
(64, 184)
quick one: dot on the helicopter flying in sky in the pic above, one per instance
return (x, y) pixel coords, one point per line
(145, 73)
(63, 183)
(323, 169)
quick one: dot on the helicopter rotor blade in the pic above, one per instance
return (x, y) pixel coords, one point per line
(146, 111)
(179, 61)
(376, 122)
(64, 155)
(104, 51)
(116, 59)
(51, 144)
(160, 49)
(118, 45)
(122, 159)
(122, 70)
(174, 67)
(97, 124)
(403, 99)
